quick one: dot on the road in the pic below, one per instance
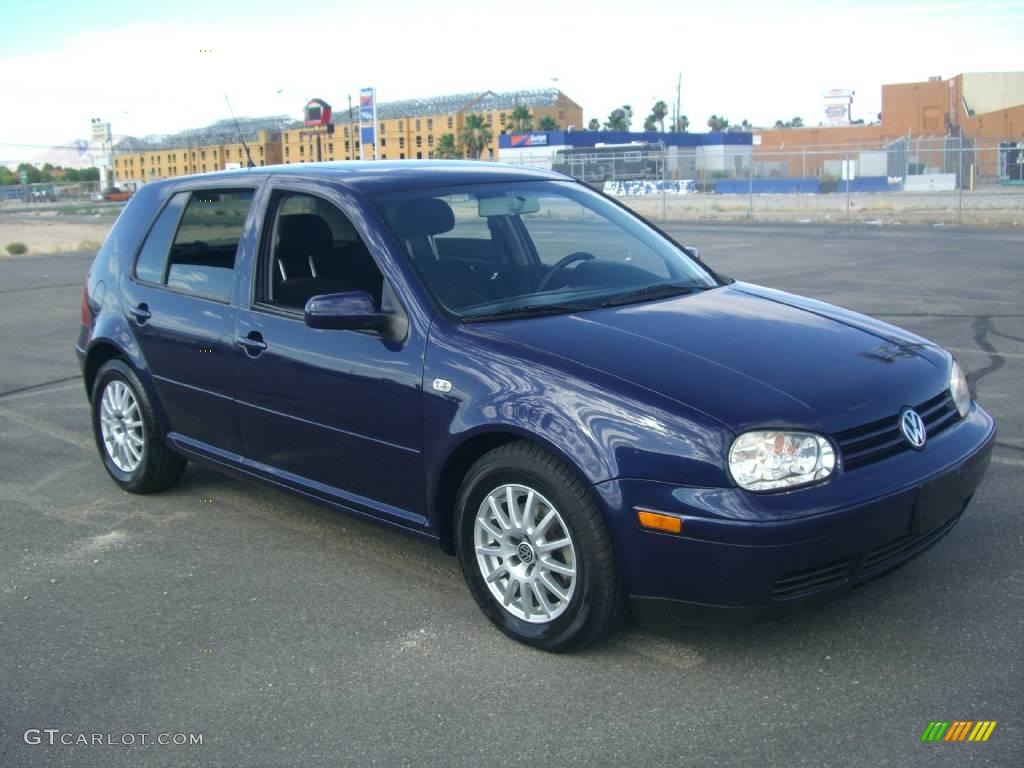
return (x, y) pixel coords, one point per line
(290, 635)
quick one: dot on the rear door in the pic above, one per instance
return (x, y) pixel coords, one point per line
(178, 301)
(336, 413)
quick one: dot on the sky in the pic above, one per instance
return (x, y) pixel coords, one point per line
(168, 66)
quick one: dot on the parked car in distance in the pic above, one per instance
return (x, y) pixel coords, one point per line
(115, 195)
(514, 366)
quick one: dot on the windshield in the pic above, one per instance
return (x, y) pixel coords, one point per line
(519, 248)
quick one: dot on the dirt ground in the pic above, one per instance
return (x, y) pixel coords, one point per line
(50, 233)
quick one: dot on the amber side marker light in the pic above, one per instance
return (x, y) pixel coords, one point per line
(659, 522)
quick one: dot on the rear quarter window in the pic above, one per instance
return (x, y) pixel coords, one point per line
(153, 256)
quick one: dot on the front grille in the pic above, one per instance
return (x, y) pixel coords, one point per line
(811, 579)
(881, 439)
(889, 556)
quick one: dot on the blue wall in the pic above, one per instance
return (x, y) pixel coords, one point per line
(590, 138)
(767, 186)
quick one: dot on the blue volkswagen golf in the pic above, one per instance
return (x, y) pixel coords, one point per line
(510, 364)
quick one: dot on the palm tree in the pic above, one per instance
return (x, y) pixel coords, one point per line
(619, 119)
(476, 135)
(650, 124)
(659, 112)
(446, 148)
(520, 120)
(547, 123)
(594, 124)
(682, 126)
(716, 123)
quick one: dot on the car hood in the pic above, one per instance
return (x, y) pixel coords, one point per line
(748, 356)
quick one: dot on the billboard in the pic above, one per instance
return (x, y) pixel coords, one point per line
(838, 105)
(368, 114)
(100, 132)
(529, 139)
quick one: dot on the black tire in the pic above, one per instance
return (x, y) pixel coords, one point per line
(159, 467)
(597, 603)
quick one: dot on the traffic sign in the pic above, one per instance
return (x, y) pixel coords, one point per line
(23, 174)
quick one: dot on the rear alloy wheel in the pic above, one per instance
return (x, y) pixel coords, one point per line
(535, 551)
(128, 434)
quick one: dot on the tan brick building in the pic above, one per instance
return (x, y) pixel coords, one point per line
(407, 130)
(410, 129)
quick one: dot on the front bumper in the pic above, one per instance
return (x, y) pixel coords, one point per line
(744, 556)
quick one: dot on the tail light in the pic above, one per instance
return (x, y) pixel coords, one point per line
(86, 309)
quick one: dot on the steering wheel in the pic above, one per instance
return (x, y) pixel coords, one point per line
(562, 264)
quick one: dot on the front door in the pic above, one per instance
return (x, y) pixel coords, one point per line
(336, 413)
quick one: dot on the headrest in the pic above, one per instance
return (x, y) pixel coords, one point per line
(426, 216)
(304, 233)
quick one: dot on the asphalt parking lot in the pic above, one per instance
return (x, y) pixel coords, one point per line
(290, 635)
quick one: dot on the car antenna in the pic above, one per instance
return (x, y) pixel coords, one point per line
(241, 138)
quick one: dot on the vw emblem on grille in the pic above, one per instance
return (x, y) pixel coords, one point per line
(525, 552)
(912, 427)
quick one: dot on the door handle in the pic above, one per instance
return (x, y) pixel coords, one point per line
(253, 343)
(141, 313)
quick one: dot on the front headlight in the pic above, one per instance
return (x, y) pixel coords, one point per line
(961, 392)
(763, 461)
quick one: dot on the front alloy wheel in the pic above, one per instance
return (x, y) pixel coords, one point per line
(525, 553)
(535, 551)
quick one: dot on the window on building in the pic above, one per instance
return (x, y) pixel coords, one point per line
(419, 155)
(417, 124)
(501, 118)
(401, 125)
(430, 140)
(561, 114)
(419, 141)
(401, 142)
(430, 123)
(287, 151)
(302, 149)
(451, 122)
(490, 118)
(382, 127)
(330, 147)
(401, 155)
(383, 141)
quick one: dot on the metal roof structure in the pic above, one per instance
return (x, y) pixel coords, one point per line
(478, 101)
(220, 132)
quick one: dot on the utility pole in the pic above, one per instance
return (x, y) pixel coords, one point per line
(679, 110)
(351, 130)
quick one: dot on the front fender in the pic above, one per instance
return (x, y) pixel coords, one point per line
(601, 426)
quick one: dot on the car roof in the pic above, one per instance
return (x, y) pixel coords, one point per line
(376, 176)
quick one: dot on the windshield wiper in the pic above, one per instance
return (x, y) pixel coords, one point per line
(530, 311)
(656, 291)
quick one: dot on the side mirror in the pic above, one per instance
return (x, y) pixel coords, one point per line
(352, 310)
(693, 252)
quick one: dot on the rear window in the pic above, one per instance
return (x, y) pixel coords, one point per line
(192, 244)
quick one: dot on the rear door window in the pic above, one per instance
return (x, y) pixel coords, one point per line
(202, 257)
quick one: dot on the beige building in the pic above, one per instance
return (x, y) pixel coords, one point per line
(410, 129)
(407, 130)
(134, 168)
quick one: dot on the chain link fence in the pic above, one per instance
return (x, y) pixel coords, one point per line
(51, 192)
(909, 180)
